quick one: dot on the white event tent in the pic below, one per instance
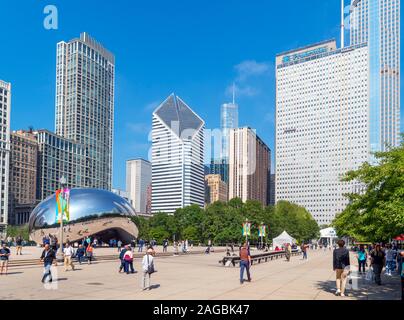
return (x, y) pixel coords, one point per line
(283, 238)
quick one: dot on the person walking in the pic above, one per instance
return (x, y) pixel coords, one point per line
(341, 266)
(141, 244)
(121, 258)
(147, 268)
(362, 259)
(18, 243)
(80, 253)
(245, 262)
(390, 255)
(4, 258)
(128, 260)
(304, 250)
(68, 253)
(119, 244)
(165, 245)
(48, 257)
(378, 261)
(402, 274)
(89, 252)
(288, 251)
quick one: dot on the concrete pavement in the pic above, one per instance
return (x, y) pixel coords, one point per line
(196, 277)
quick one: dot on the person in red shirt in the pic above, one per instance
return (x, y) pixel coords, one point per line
(245, 262)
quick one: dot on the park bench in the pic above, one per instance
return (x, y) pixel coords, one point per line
(258, 258)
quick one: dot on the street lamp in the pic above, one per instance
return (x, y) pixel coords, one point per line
(63, 183)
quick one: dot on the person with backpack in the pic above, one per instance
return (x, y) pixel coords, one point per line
(147, 268)
(402, 274)
(128, 260)
(341, 266)
(362, 259)
(165, 245)
(378, 261)
(121, 255)
(245, 262)
(80, 253)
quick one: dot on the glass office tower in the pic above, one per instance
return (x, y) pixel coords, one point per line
(377, 22)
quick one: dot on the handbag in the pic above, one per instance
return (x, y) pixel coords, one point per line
(150, 267)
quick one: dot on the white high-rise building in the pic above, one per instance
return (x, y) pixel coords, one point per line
(138, 180)
(177, 157)
(5, 110)
(322, 125)
(377, 23)
(85, 84)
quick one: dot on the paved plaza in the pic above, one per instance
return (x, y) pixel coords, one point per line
(195, 277)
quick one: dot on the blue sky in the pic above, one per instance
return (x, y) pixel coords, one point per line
(195, 48)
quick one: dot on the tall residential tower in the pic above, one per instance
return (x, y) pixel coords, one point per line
(138, 180)
(5, 110)
(85, 75)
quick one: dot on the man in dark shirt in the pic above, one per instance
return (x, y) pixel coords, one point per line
(47, 257)
(378, 261)
(18, 243)
(341, 266)
(4, 256)
(245, 261)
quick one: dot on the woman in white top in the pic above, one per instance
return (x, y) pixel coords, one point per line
(147, 268)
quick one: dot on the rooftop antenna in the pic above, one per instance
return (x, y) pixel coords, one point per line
(342, 25)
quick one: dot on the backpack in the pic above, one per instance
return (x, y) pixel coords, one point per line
(362, 255)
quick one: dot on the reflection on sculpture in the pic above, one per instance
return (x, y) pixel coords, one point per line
(93, 212)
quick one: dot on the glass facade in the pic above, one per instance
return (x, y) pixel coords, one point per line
(377, 22)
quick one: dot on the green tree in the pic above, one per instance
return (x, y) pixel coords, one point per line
(377, 214)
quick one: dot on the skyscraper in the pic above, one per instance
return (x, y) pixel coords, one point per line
(322, 126)
(228, 121)
(58, 157)
(377, 23)
(216, 189)
(23, 176)
(5, 110)
(138, 180)
(249, 166)
(177, 157)
(85, 75)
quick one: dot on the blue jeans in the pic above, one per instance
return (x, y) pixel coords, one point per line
(362, 264)
(389, 266)
(244, 265)
(80, 259)
(47, 272)
(304, 255)
(127, 265)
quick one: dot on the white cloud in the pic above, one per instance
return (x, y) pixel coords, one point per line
(250, 68)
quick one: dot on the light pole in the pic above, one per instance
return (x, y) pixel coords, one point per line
(63, 182)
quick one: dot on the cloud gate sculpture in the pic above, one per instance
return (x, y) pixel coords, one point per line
(92, 212)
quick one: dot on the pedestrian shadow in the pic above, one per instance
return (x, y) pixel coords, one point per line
(13, 273)
(154, 286)
(366, 290)
(61, 279)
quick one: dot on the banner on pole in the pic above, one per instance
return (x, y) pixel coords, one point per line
(246, 229)
(262, 231)
(62, 205)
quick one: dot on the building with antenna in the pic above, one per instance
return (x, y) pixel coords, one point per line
(228, 121)
(336, 106)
